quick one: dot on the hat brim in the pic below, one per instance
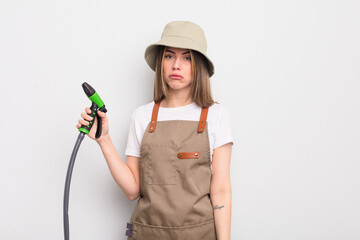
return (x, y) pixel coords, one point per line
(176, 42)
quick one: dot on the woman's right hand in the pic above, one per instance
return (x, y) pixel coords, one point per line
(104, 124)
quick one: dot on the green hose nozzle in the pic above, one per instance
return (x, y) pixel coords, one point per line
(97, 105)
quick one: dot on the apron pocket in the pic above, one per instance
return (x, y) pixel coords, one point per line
(161, 169)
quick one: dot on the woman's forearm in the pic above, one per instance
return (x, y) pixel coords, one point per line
(221, 202)
(119, 170)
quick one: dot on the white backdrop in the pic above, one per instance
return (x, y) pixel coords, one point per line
(287, 70)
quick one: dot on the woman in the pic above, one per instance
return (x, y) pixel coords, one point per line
(179, 146)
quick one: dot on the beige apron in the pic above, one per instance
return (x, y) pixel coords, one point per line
(175, 179)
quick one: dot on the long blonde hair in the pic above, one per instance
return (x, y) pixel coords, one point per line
(200, 86)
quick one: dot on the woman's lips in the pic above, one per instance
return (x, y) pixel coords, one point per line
(175, 76)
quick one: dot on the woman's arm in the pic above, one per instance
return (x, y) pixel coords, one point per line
(220, 190)
(125, 175)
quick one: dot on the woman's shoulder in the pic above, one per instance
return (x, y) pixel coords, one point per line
(218, 109)
(218, 115)
(142, 110)
(145, 106)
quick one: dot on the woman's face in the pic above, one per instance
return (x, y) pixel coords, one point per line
(177, 68)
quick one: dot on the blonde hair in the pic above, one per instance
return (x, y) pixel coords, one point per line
(200, 86)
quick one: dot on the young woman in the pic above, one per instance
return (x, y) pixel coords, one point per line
(179, 146)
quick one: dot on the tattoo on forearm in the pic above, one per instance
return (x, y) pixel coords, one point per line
(218, 207)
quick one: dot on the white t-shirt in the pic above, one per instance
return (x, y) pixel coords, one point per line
(218, 118)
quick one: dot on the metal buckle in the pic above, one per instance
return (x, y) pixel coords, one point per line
(129, 230)
(128, 233)
(129, 226)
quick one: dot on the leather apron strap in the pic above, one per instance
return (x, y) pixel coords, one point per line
(202, 121)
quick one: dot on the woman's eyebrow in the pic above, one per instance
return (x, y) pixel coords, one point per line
(175, 53)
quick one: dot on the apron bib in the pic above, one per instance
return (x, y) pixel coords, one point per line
(175, 177)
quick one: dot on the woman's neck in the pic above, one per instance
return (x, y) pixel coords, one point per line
(172, 102)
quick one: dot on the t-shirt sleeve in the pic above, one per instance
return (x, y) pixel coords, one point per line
(133, 145)
(223, 132)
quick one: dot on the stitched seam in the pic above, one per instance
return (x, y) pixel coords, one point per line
(188, 226)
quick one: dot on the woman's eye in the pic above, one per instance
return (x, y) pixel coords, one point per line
(188, 58)
(168, 56)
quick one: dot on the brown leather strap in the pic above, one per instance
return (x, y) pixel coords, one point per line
(154, 116)
(183, 155)
(203, 117)
(202, 122)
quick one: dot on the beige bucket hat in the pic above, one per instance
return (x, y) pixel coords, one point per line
(180, 34)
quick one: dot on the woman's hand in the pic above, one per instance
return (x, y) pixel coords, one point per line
(104, 124)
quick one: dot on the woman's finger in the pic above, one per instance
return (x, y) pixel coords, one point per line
(83, 122)
(86, 116)
(101, 114)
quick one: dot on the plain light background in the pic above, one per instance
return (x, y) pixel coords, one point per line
(288, 71)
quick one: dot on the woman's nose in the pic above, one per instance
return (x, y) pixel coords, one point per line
(176, 64)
